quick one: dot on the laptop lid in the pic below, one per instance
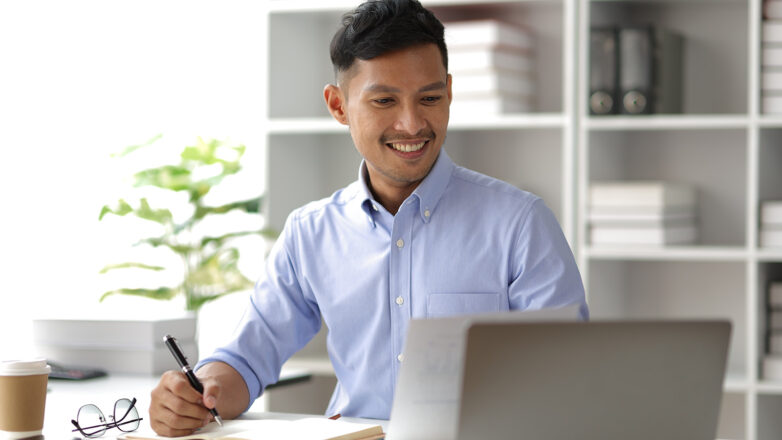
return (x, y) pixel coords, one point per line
(428, 389)
(596, 380)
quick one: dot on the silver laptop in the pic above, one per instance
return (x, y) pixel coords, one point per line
(573, 380)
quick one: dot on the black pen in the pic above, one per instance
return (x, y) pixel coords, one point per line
(182, 361)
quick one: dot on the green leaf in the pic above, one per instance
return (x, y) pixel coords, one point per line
(122, 209)
(162, 216)
(131, 265)
(180, 249)
(159, 293)
(251, 206)
(171, 177)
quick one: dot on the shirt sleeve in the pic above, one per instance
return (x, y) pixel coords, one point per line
(278, 321)
(545, 274)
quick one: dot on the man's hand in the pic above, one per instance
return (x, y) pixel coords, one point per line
(177, 409)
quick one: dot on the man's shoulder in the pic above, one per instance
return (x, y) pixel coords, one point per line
(335, 204)
(481, 188)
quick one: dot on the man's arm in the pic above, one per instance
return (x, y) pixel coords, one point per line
(545, 271)
(177, 409)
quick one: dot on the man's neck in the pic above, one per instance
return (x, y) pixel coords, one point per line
(392, 198)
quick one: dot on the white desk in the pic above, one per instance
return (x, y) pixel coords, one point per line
(66, 397)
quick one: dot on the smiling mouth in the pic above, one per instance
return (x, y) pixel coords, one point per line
(407, 147)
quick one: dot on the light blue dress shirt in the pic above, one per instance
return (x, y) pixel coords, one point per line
(462, 243)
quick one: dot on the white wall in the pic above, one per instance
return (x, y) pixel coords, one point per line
(80, 80)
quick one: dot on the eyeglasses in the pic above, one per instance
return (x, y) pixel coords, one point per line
(91, 423)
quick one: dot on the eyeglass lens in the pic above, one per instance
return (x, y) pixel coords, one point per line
(91, 421)
(126, 416)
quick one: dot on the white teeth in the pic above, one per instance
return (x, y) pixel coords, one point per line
(407, 148)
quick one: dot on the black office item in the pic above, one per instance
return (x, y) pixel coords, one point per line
(603, 71)
(68, 372)
(650, 70)
(173, 346)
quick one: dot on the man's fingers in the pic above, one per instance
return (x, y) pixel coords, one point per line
(211, 393)
(176, 408)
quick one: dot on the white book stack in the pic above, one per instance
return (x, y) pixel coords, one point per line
(642, 213)
(133, 346)
(771, 58)
(492, 67)
(771, 224)
(772, 361)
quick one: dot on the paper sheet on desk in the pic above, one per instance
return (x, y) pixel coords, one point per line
(428, 390)
(311, 428)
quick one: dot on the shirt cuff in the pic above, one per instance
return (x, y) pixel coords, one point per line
(250, 379)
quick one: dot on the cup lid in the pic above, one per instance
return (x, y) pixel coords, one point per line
(24, 367)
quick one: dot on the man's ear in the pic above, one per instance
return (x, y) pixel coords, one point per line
(335, 102)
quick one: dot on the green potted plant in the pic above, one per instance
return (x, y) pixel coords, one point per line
(209, 261)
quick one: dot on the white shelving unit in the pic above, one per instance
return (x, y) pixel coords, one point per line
(721, 144)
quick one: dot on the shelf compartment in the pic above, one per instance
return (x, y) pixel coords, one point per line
(714, 162)
(770, 164)
(715, 71)
(769, 424)
(307, 31)
(545, 21)
(732, 421)
(673, 290)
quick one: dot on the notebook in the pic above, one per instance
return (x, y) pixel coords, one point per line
(566, 380)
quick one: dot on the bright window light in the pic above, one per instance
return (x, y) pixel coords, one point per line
(81, 80)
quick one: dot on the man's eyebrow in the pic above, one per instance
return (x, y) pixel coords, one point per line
(381, 88)
(439, 85)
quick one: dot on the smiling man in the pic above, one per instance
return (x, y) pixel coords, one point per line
(415, 236)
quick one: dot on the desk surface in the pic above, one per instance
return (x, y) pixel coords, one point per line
(66, 397)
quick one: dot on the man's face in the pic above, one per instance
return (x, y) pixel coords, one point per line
(396, 106)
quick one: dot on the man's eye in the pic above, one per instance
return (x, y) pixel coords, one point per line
(431, 99)
(383, 101)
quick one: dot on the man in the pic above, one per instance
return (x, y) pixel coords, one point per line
(415, 236)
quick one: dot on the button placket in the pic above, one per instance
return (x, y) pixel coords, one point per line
(401, 260)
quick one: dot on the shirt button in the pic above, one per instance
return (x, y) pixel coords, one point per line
(427, 213)
(400, 358)
(374, 207)
(400, 243)
(400, 300)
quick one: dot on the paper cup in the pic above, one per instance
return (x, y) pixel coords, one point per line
(22, 397)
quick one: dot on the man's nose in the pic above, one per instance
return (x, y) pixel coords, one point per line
(410, 120)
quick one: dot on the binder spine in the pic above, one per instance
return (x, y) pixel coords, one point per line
(603, 71)
(636, 70)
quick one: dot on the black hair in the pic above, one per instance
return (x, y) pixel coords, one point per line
(377, 27)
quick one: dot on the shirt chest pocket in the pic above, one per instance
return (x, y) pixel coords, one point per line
(439, 305)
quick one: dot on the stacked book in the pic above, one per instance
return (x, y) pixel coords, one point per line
(130, 346)
(771, 58)
(771, 224)
(492, 67)
(641, 213)
(772, 361)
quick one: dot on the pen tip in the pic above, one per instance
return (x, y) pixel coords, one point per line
(219, 420)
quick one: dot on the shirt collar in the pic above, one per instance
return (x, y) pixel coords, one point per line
(433, 186)
(428, 192)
